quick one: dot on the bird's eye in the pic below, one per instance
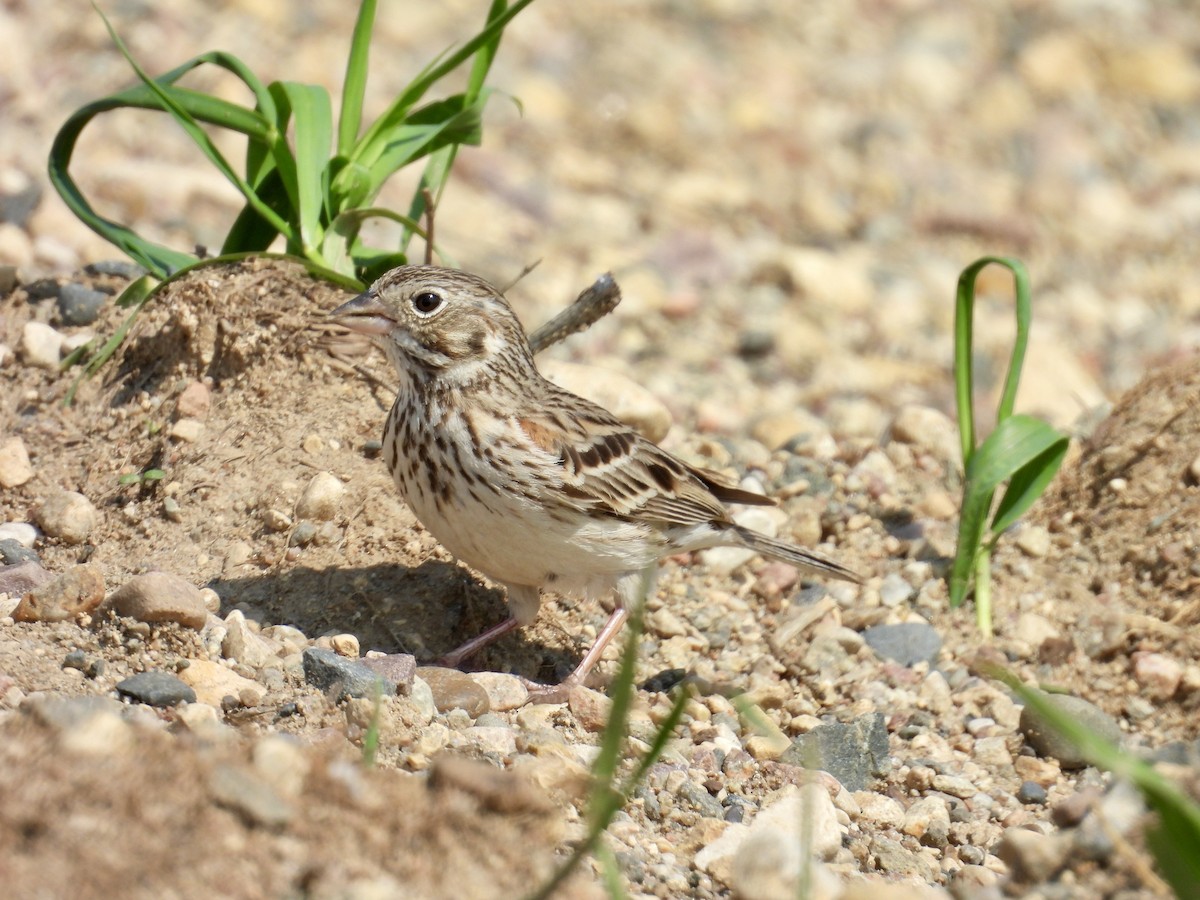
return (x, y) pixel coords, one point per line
(427, 303)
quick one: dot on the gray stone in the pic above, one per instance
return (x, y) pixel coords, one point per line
(327, 671)
(854, 753)
(12, 553)
(79, 304)
(398, 668)
(1043, 737)
(156, 689)
(121, 268)
(1032, 793)
(908, 643)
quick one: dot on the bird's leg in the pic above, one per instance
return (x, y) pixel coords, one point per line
(454, 658)
(557, 693)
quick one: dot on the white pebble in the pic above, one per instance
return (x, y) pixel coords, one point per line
(41, 345)
(15, 468)
(321, 498)
(21, 532)
(68, 515)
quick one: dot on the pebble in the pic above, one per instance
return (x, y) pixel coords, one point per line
(853, 752)
(397, 668)
(778, 430)
(590, 708)
(1034, 630)
(1047, 741)
(67, 515)
(15, 468)
(193, 401)
(619, 394)
(345, 645)
(770, 854)
(894, 590)
(928, 820)
(242, 644)
(908, 643)
(9, 276)
(160, 597)
(102, 733)
(78, 590)
(1033, 540)
(321, 498)
(1158, 673)
(156, 688)
(280, 760)
(213, 682)
(452, 689)
(187, 430)
(504, 691)
(41, 345)
(79, 304)
(303, 535)
(326, 671)
(1032, 793)
(247, 794)
(879, 809)
(20, 578)
(955, 786)
(930, 430)
(21, 532)
(1032, 857)
(13, 553)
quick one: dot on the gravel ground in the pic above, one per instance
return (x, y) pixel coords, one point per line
(763, 183)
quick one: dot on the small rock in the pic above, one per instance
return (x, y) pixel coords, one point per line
(172, 510)
(345, 645)
(9, 277)
(781, 429)
(213, 682)
(15, 468)
(504, 692)
(1033, 540)
(767, 746)
(187, 430)
(120, 268)
(303, 535)
(67, 515)
(928, 820)
(1034, 630)
(908, 643)
(1034, 858)
(156, 689)
(280, 760)
(41, 345)
(12, 553)
(79, 304)
(321, 497)
(453, 690)
(103, 733)
(782, 836)
(241, 643)
(160, 597)
(21, 578)
(1158, 673)
(618, 393)
(21, 532)
(276, 520)
(325, 670)
(929, 430)
(894, 590)
(955, 786)
(398, 668)
(1032, 793)
(590, 708)
(251, 797)
(193, 401)
(498, 739)
(1048, 741)
(853, 752)
(78, 590)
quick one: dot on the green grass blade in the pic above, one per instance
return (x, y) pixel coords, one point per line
(354, 86)
(1175, 839)
(249, 230)
(963, 338)
(369, 148)
(198, 135)
(340, 240)
(312, 124)
(1016, 448)
(134, 297)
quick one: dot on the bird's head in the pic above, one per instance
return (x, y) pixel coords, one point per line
(438, 323)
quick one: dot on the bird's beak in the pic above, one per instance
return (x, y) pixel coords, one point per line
(364, 314)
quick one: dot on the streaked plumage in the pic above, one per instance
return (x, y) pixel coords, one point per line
(529, 484)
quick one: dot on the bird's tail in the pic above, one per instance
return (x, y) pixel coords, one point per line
(795, 556)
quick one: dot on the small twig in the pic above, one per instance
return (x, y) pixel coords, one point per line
(525, 271)
(430, 209)
(589, 307)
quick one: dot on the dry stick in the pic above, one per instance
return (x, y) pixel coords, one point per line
(429, 211)
(589, 307)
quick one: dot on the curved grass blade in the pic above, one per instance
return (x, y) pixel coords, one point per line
(134, 297)
(338, 248)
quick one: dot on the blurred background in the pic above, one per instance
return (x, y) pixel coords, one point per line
(794, 186)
